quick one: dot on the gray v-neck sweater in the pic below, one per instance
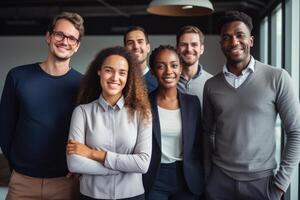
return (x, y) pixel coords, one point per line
(242, 121)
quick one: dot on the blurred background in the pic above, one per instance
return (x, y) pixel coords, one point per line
(24, 24)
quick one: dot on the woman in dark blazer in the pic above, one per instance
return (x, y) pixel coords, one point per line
(176, 167)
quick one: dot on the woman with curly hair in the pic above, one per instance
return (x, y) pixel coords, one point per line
(175, 170)
(111, 131)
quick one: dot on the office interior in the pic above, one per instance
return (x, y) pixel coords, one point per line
(24, 24)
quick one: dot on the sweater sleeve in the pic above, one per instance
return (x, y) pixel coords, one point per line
(208, 125)
(139, 160)
(9, 112)
(80, 164)
(287, 104)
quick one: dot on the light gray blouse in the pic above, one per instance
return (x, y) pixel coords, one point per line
(127, 143)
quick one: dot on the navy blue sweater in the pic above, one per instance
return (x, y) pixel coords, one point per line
(35, 112)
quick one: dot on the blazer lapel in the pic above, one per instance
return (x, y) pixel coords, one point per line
(155, 118)
(184, 117)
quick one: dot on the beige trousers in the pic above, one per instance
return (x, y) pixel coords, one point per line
(23, 187)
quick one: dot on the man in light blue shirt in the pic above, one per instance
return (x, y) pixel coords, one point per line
(241, 105)
(237, 80)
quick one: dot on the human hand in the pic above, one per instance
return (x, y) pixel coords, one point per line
(73, 175)
(74, 147)
(278, 191)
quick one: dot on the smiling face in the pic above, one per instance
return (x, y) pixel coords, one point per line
(62, 50)
(236, 41)
(113, 75)
(190, 48)
(138, 45)
(167, 69)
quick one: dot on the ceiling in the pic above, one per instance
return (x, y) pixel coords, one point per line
(106, 17)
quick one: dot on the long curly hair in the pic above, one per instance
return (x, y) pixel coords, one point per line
(134, 92)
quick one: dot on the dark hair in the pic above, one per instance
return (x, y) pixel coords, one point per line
(74, 18)
(156, 51)
(134, 92)
(135, 28)
(235, 15)
(190, 29)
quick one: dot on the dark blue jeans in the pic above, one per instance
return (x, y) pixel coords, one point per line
(170, 184)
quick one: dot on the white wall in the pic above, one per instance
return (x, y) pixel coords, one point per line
(28, 49)
(20, 50)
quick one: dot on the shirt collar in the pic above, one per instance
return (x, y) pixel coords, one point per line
(249, 68)
(146, 70)
(198, 73)
(105, 105)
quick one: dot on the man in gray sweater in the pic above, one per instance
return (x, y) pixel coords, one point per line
(240, 108)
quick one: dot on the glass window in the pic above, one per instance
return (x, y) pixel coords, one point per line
(276, 46)
(276, 37)
(264, 40)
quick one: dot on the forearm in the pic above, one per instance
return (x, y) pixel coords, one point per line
(134, 163)
(290, 160)
(9, 113)
(83, 165)
(138, 161)
(97, 155)
(288, 107)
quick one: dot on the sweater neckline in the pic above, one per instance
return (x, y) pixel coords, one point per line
(49, 75)
(244, 84)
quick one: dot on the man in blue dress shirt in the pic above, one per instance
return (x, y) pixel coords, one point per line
(137, 42)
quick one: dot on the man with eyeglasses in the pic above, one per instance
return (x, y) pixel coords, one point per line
(35, 111)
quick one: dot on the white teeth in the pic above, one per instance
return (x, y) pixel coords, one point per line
(168, 78)
(189, 56)
(113, 84)
(62, 47)
(236, 50)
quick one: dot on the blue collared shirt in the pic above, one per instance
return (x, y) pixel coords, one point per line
(236, 81)
(195, 85)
